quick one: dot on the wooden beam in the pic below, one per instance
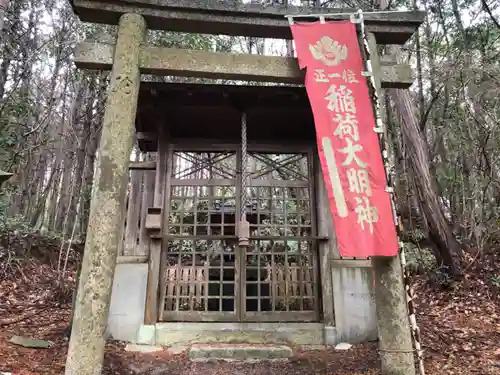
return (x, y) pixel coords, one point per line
(218, 145)
(351, 263)
(145, 136)
(216, 17)
(143, 165)
(127, 259)
(245, 67)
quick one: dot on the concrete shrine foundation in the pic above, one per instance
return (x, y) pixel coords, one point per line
(128, 303)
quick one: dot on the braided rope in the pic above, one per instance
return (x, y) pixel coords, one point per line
(390, 174)
(244, 165)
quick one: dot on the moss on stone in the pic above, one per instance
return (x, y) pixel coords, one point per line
(86, 348)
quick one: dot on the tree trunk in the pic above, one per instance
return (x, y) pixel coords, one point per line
(4, 69)
(90, 154)
(447, 248)
(73, 300)
(57, 160)
(3, 7)
(26, 146)
(66, 167)
(82, 130)
(68, 163)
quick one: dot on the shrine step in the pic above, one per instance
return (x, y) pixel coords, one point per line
(234, 352)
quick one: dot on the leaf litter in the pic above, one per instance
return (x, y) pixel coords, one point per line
(460, 327)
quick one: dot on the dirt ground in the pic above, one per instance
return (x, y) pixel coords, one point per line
(460, 328)
(304, 363)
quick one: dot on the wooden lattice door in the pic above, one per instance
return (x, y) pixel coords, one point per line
(279, 273)
(199, 280)
(205, 275)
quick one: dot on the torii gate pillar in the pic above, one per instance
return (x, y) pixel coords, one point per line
(86, 346)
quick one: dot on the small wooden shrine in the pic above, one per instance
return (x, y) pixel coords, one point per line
(183, 274)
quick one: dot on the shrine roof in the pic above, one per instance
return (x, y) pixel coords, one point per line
(213, 111)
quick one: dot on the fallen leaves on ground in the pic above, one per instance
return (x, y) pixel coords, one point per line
(361, 360)
(461, 326)
(460, 329)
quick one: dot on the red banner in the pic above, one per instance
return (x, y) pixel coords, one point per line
(348, 146)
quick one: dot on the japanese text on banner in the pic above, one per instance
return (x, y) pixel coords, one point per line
(348, 147)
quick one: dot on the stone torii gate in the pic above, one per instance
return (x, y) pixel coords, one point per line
(130, 57)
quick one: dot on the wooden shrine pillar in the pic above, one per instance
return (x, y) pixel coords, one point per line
(161, 203)
(86, 346)
(326, 249)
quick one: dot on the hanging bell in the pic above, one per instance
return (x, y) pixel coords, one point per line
(244, 233)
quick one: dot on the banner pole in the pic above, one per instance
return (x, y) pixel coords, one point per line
(370, 47)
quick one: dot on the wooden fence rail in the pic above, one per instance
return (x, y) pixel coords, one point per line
(189, 285)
